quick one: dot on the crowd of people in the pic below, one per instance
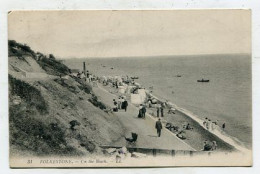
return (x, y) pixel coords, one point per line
(209, 145)
(212, 125)
(120, 104)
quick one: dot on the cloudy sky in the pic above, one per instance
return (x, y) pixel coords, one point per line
(81, 34)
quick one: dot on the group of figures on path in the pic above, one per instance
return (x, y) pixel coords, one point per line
(212, 125)
(142, 111)
(121, 103)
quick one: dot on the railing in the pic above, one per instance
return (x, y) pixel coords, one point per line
(161, 152)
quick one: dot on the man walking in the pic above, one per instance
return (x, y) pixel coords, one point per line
(161, 111)
(124, 104)
(158, 111)
(158, 126)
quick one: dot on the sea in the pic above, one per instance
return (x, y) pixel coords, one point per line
(227, 97)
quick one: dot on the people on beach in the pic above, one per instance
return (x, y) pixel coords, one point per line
(209, 124)
(158, 127)
(119, 102)
(171, 111)
(209, 146)
(162, 112)
(205, 122)
(188, 127)
(181, 135)
(143, 111)
(78, 74)
(149, 103)
(140, 114)
(214, 145)
(115, 109)
(158, 111)
(223, 126)
(124, 104)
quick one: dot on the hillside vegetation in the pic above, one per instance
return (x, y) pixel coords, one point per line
(54, 116)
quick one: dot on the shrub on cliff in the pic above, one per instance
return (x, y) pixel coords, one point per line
(28, 93)
(94, 100)
(53, 66)
(18, 49)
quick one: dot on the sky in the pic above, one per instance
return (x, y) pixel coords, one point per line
(90, 34)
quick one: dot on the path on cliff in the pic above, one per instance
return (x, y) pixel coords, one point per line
(145, 128)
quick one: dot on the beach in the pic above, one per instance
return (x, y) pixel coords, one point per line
(227, 98)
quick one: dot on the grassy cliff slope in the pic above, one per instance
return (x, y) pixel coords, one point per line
(53, 116)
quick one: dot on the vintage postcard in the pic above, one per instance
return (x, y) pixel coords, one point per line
(130, 88)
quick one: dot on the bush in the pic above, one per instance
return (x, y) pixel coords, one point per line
(28, 93)
(53, 67)
(51, 56)
(94, 100)
(74, 123)
(37, 135)
(13, 46)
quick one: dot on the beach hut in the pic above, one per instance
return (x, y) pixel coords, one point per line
(122, 89)
(142, 94)
(136, 99)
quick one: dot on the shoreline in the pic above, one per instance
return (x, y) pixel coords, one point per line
(233, 141)
(216, 134)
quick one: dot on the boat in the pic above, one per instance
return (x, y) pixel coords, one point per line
(135, 77)
(202, 80)
(178, 75)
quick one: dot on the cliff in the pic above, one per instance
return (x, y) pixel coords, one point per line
(49, 115)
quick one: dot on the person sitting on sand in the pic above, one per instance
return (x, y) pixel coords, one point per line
(181, 135)
(188, 127)
(205, 122)
(214, 145)
(208, 124)
(171, 111)
(207, 146)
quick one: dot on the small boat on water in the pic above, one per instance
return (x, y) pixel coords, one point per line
(203, 80)
(178, 75)
(135, 77)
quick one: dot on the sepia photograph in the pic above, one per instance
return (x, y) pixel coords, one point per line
(130, 88)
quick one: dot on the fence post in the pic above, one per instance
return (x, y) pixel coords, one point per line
(173, 153)
(154, 152)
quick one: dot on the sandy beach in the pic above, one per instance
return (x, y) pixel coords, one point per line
(195, 137)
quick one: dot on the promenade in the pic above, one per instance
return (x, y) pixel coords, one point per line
(145, 128)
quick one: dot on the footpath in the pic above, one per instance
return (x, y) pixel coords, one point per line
(145, 128)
